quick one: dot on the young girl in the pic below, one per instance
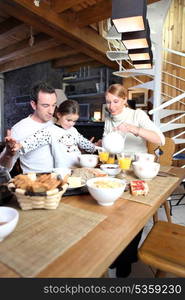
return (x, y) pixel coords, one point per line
(63, 138)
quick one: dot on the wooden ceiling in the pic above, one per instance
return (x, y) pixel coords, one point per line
(66, 32)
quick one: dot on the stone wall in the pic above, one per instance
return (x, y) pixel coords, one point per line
(18, 83)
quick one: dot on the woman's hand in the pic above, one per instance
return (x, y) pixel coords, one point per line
(146, 134)
(124, 127)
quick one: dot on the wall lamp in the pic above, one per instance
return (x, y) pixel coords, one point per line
(137, 39)
(129, 15)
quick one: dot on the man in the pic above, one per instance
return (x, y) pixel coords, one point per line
(43, 102)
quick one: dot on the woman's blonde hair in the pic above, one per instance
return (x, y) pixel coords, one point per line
(117, 90)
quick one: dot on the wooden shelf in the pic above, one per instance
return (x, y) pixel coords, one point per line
(80, 79)
(86, 95)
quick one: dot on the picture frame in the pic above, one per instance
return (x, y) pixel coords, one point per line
(103, 112)
(139, 95)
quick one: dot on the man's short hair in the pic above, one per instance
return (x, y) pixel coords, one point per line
(40, 86)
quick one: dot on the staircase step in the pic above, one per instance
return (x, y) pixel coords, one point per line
(179, 141)
(145, 85)
(171, 126)
(134, 72)
(168, 112)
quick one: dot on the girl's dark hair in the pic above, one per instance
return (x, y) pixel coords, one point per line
(68, 107)
(41, 86)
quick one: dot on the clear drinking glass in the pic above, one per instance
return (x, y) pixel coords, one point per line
(111, 159)
(124, 161)
(103, 155)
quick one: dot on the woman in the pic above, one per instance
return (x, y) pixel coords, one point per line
(135, 123)
(139, 129)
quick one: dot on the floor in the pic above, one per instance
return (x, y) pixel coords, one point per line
(139, 269)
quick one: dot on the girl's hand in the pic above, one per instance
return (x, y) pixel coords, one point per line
(12, 146)
(98, 143)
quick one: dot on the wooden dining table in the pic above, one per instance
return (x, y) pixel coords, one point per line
(93, 254)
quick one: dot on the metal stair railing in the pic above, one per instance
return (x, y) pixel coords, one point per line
(171, 125)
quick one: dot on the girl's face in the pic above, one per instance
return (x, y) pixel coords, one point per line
(115, 104)
(67, 121)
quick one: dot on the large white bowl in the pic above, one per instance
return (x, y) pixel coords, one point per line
(88, 160)
(145, 170)
(9, 216)
(105, 196)
(111, 169)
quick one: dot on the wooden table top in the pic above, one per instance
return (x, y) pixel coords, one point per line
(93, 254)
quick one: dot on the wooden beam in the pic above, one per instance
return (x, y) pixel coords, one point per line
(55, 31)
(8, 25)
(57, 63)
(87, 36)
(60, 6)
(28, 60)
(71, 61)
(97, 12)
(41, 43)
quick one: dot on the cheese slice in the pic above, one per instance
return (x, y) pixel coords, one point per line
(74, 181)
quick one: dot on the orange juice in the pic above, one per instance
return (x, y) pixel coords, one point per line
(111, 159)
(103, 156)
(125, 163)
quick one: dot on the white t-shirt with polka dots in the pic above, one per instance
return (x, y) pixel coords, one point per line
(65, 144)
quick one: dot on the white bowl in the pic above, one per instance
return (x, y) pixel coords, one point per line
(88, 160)
(8, 221)
(111, 169)
(104, 195)
(146, 170)
(144, 157)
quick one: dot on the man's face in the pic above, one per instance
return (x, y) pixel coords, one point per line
(45, 106)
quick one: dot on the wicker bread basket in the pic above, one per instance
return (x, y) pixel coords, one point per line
(46, 200)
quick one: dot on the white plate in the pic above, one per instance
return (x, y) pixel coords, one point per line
(76, 187)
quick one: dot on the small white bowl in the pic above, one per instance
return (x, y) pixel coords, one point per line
(8, 221)
(104, 195)
(88, 160)
(146, 170)
(111, 169)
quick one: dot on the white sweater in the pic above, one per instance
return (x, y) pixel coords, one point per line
(35, 161)
(138, 118)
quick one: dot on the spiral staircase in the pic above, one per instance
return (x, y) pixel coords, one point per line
(168, 95)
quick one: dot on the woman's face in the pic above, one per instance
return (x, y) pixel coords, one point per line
(115, 104)
(67, 121)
